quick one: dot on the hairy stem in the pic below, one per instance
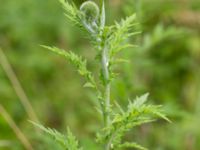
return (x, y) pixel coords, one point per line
(106, 76)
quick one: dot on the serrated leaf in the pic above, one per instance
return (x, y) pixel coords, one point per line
(71, 12)
(132, 145)
(88, 85)
(122, 31)
(155, 110)
(137, 114)
(140, 100)
(68, 142)
(77, 61)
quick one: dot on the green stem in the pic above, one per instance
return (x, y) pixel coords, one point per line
(106, 77)
(105, 72)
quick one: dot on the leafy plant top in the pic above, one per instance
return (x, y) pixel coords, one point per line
(107, 41)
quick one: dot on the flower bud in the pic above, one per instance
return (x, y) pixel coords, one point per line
(90, 11)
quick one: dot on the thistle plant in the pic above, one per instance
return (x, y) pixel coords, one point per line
(108, 41)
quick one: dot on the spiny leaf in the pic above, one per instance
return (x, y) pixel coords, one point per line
(71, 11)
(122, 31)
(72, 140)
(88, 84)
(132, 145)
(140, 100)
(68, 142)
(77, 61)
(137, 113)
(156, 111)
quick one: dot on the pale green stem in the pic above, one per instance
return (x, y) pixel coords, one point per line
(105, 73)
(106, 76)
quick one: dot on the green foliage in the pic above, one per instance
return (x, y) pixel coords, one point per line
(78, 62)
(137, 114)
(71, 11)
(160, 34)
(108, 41)
(120, 33)
(131, 145)
(67, 142)
(166, 63)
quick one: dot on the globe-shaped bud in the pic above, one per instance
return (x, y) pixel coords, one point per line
(90, 11)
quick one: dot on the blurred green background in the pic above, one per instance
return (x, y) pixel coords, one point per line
(166, 64)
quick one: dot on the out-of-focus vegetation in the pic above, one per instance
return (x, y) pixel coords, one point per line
(166, 64)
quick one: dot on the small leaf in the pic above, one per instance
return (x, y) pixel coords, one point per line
(140, 100)
(71, 11)
(137, 113)
(77, 61)
(88, 85)
(121, 31)
(68, 142)
(132, 145)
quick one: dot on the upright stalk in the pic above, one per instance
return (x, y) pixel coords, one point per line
(105, 67)
(106, 78)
